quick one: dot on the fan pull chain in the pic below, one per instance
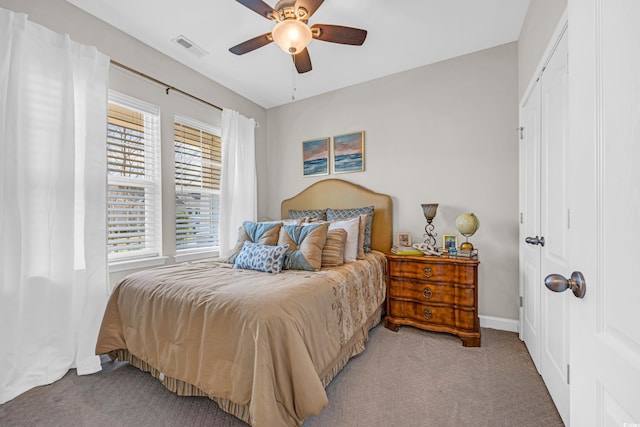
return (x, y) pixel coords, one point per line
(293, 83)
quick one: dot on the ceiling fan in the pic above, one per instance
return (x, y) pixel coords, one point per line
(292, 32)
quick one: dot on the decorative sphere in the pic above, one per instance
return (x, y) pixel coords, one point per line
(467, 224)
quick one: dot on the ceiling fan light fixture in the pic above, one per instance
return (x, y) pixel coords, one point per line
(291, 35)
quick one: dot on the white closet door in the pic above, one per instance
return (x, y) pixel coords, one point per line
(543, 226)
(530, 224)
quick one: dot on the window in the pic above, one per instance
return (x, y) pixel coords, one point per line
(198, 157)
(133, 197)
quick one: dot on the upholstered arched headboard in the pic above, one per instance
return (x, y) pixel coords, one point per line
(339, 194)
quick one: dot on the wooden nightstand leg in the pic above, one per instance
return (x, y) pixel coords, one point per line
(389, 324)
(470, 341)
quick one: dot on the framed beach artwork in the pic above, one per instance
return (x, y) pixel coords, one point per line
(348, 152)
(315, 157)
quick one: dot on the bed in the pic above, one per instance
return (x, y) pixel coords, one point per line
(262, 346)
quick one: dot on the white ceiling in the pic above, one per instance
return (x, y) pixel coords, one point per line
(402, 34)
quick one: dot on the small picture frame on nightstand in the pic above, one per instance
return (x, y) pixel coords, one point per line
(403, 239)
(449, 243)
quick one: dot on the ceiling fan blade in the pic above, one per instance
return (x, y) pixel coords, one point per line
(252, 44)
(260, 7)
(309, 5)
(339, 34)
(302, 60)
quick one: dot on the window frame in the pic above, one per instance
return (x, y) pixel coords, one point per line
(188, 254)
(151, 182)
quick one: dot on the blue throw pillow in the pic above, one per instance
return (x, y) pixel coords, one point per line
(254, 256)
(265, 233)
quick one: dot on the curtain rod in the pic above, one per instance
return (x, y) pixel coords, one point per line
(168, 86)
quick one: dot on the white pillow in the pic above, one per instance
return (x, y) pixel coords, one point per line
(352, 227)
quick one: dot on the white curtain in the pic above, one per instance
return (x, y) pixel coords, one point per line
(53, 268)
(238, 198)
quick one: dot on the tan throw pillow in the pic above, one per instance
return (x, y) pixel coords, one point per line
(333, 251)
(305, 245)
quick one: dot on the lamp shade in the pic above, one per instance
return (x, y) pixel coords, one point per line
(291, 35)
(429, 210)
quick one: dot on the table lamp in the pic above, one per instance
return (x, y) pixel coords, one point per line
(429, 210)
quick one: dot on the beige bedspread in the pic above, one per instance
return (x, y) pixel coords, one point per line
(263, 346)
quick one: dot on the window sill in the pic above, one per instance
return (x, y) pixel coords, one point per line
(193, 256)
(136, 263)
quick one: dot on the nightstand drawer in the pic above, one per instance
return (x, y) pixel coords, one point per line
(423, 271)
(429, 314)
(462, 319)
(425, 291)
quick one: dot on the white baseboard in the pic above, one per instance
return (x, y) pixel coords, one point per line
(499, 323)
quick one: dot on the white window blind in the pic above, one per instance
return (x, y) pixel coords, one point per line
(133, 199)
(198, 165)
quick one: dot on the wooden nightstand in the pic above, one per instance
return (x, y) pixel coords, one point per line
(435, 294)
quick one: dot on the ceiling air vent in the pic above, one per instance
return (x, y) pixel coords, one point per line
(190, 46)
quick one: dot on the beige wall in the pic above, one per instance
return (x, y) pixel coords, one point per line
(443, 133)
(62, 17)
(538, 27)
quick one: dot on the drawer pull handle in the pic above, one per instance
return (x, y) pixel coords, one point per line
(427, 293)
(428, 315)
(427, 272)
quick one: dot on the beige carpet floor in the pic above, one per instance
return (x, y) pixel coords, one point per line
(408, 378)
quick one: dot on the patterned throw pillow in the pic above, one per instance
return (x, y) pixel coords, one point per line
(293, 221)
(306, 243)
(254, 256)
(308, 213)
(265, 233)
(333, 251)
(342, 214)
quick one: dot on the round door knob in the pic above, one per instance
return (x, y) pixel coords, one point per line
(558, 283)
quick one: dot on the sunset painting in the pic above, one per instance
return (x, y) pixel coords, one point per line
(315, 157)
(348, 152)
